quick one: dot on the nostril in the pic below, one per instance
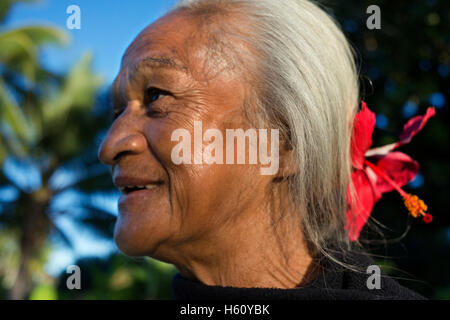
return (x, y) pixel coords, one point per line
(122, 154)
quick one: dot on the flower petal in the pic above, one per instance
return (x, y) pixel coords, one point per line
(366, 195)
(363, 126)
(410, 129)
(400, 167)
(414, 125)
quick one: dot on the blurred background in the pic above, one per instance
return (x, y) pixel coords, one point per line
(58, 204)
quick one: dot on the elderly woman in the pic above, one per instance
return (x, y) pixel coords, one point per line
(211, 67)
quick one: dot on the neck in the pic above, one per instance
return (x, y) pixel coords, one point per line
(264, 249)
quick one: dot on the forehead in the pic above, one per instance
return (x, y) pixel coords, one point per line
(176, 41)
(167, 36)
(178, 48)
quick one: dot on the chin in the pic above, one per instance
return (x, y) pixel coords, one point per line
(133, 241)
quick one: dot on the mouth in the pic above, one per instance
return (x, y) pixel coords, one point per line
(137, 194)
(130, 189)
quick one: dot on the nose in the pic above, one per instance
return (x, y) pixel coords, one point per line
(123, 138)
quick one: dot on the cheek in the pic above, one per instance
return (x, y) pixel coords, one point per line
(158, 131)
(208, 197)
(203, 197)
(217, 197)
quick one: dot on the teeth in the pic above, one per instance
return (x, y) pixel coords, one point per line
(150, 186)
(140, 187)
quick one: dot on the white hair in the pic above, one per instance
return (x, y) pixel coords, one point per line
(308, 88)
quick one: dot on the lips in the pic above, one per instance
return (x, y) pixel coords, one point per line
(128, 189)
(135, 192)
(127, 184)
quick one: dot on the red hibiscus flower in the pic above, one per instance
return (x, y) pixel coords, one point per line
(381, 170)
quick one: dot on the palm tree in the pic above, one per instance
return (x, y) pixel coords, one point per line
(48, 126)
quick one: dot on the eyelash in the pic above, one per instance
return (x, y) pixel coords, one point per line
(152, 91)
(148, 96)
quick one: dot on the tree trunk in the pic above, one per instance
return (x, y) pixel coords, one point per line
(34, 226)
(22, 284)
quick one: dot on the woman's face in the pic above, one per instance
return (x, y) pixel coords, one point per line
(169, 78)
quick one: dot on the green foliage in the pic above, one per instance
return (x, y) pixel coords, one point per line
(20, 48)
(120, 277)
(5, 7)
(46, 120)
(19, 59)
(44, 292)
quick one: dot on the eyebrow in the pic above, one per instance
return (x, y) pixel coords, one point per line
(156, 62)
(153, 62)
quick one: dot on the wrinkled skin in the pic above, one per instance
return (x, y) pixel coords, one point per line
(214, 222)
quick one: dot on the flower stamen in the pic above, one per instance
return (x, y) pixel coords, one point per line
(413, 203)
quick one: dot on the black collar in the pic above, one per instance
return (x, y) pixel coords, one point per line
(334, 283)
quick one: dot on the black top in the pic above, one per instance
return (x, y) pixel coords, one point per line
(334, 283)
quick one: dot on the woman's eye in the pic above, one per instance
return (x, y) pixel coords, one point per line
(151, 96)
(154, 94)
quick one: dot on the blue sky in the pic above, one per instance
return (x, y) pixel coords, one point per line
(107, 28)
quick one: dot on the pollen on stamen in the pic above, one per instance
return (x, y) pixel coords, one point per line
(417, 207)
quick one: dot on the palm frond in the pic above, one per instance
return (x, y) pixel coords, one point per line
(19, 47)
(12, 115)
(5, 6)
(61, 235)
(77, 93)
(99, 221)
